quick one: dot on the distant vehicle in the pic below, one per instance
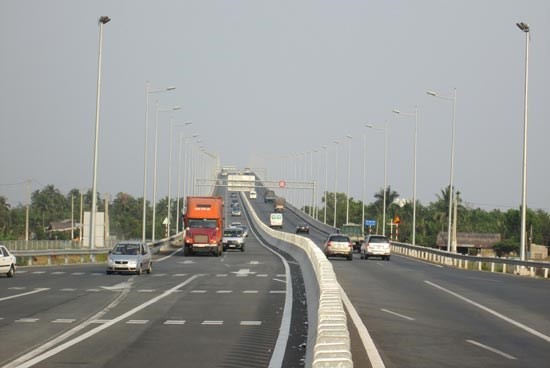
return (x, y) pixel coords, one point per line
(247, 171)
(302, 228)
(376, 246)
(7, 262)
(355, 233)
(338, 245)
(253, 194)
(130, 256)
(241, 226)
(269, 196)
(276, 220)
(279, 204)
(203, 225)
(233, 238)
(236, 211)
(233, 195)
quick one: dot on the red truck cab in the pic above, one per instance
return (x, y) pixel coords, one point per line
(203, 222)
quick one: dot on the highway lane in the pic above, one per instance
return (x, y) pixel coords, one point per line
(199, 311)
(422, 315)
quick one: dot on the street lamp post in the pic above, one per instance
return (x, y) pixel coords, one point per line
(451, 245)
(325, 147)
(349, 174)
(147, 92)
(415, 115)
(335, 180)
(385, 173)
(525, 28)
(169, 215)
(102, 21)
(155, 164)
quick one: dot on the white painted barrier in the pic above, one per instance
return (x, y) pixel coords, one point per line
(332, 342)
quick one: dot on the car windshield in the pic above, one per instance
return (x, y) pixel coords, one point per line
(339, 238)
(197, 224)
(232, 232)
(127, 249)
(378, 239)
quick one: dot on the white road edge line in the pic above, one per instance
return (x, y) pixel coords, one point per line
(368, 343)
(284, 331)
(493, 350)
(168, 256)
(21, 363)
(493, 312)
(398, 315)
(419, 260)
(23, 294)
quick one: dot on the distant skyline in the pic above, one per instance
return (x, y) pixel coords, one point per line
(265, 80)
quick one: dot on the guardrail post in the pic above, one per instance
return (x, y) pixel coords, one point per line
(49, 260)
(492, 266)
(66, 259)
(546, 273)
(480, 266)
(504, 268)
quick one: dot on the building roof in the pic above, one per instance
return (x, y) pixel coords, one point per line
(470, 240)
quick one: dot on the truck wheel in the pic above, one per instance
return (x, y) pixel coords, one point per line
(186, 251)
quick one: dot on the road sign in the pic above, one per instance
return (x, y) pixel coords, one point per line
(282, 184)
(370, 222)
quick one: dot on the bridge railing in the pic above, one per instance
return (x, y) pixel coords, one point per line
(51, 253)
(492, 264)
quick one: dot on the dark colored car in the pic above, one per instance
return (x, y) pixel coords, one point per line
(302, 228)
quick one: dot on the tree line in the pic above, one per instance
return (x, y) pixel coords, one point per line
(126, 213)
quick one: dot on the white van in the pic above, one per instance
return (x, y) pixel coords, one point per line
(252, 194)
(276, 220)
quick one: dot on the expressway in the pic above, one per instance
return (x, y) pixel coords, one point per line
(198, 311)
(424, 315)
(230, 311)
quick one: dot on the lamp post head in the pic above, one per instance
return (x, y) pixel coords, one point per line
(104, 19)
(431, 93)
(523, 26)
(171, 88)
(396, 111)
(349, 136)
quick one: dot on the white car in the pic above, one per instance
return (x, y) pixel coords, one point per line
(376, 246)
(7, 262)
(130, 257)
(233, 238)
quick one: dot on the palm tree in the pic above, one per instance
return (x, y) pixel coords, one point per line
(391, 195)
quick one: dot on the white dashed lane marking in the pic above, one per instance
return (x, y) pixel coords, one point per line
(139, 321)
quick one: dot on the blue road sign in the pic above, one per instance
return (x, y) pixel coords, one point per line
(370, 222)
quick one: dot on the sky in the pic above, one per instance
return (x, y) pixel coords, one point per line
(263, 81)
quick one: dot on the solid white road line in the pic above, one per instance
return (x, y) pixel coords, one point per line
(283, 281)
(368, 343)
(284, 331)
(493, 350)
(25, 362)
(23, 294)
(493, 312)
(168, 256)
(397, 314)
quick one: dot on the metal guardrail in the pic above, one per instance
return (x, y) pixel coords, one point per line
(83, 254)
(492, 264)
(24, 245)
